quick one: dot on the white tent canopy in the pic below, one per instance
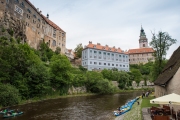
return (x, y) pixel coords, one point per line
(167, 99)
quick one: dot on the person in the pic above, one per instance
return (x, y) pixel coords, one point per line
(138, 102)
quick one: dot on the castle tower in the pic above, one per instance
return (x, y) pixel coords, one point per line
(143, 41)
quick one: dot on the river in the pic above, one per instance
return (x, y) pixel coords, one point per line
(95, 107)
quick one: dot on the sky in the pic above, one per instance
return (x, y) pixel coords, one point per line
(113, 22)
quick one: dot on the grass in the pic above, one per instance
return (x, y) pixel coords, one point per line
(146, 102)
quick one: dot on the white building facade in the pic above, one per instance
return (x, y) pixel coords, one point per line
(97, 57)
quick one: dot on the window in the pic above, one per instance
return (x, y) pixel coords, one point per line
(29, 10)
(54, 43)
(112, 54)
(90, 51)
(116, 64)
(18, 10)
(16, 1)
(112, 64)
(99, 52)
(104, 63)
(95, 51)
(120, 65)
(90, 62)
(119, 55)
(22, 5)
(95, 63)
(108, 54)
(143, 45)
(34, 16)
(99, 63)
(104, 53)
(108, 64)
(123, 65)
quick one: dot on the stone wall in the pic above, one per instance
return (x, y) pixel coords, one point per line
(76, 90)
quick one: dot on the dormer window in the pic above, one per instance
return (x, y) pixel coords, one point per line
(94, 46)
(109, 48)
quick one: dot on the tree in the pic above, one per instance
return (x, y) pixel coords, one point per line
(78, 50)
(137, 75)
(161, 44)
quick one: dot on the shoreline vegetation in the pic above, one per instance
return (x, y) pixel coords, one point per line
(34, 100)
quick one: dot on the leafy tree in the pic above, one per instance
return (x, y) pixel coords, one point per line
(78, 50)
(58, 50)
(9, 95)
(82, 68)
(107, 74)
(161, 44)
(61, 77)
(137, 75)
(123, 80)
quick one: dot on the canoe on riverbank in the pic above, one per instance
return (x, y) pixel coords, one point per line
(125, 108)
(12, 115)
(5, 111)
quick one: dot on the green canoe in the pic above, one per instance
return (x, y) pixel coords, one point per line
(12, 115)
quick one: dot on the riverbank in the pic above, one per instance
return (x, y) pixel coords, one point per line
(33, 100)
(136, 111)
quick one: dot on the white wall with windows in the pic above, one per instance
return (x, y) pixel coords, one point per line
(101, 59)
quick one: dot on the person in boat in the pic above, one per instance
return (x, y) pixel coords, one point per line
(17, 110)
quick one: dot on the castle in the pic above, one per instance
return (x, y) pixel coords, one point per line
(30, 25)
(144, 53)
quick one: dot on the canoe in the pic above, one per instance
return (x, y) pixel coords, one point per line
(12, 115)
(4, 112)
(125, 108)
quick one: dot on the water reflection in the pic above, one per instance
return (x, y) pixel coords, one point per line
(98, 107)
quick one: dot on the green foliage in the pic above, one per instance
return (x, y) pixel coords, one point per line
(82, 68)
(79, 80)
(3, 29)
(161, 44)
(137, 75)
(123, 79)
(58, 50)
(78, 50)
(9, 95)
(45, 53)
(107, 74)
(60, 71)
(11, 32)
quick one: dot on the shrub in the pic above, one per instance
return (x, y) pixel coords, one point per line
(9, 95)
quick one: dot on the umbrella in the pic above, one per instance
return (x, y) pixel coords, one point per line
(167, 99)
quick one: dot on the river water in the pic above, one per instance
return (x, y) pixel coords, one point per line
(95, 107)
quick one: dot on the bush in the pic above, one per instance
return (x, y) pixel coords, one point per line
(9, 95)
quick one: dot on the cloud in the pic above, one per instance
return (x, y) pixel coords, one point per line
(115, 23)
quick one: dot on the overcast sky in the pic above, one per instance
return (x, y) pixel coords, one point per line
(113, 22)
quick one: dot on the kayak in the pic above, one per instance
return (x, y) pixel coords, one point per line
(125, 108)
(12, 115)
(4, 111)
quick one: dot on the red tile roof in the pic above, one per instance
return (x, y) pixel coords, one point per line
(140, 50)
(52, 23)
(106, 48)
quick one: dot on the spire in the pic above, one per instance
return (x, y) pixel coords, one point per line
(142, 33)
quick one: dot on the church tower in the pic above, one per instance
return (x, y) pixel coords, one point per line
(143, 41)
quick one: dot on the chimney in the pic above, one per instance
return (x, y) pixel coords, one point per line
(90, 42)
(119, 48)
(37, 9)
(106, 45)
(98, 44)
(40, 11)
(113, 46)
(48, 16)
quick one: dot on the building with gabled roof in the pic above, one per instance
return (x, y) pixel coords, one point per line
(144, 53)
(31, 25)
(169, 79)
(99, 57)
